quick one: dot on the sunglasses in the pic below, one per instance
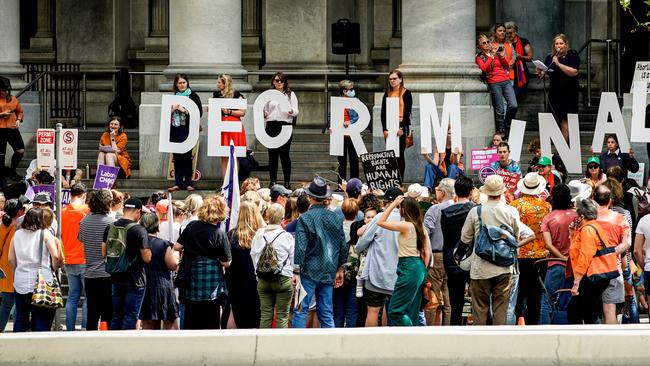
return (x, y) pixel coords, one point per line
(593, 167)
(278, 81)
(485, 42)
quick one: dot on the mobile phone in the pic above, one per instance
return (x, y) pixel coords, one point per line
(500, 49)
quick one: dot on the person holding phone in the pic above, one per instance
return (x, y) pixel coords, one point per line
(112, 147)
(180, 129)
(11, 116)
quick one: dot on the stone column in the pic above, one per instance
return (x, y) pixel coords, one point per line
(205, 41)
(10, 43)
(159, 18)
(251, 31)
(41, 46)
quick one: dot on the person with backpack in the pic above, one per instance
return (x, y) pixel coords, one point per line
(495, 67)
(272, 251)
(126, 249)
(490, 282)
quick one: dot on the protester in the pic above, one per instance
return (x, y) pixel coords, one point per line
(344, 297)
(555, 231)
(159, 305)
(544, 171)
(447, 164)
(276, 117)
(274, 293)
(279, 194)
(116, 204)
(590, 272)
(500, 41)
(452, 219)
(535, 149)
(396, 89)
(523, 52)
(112, 147)
(129, 285)
(11, 116)
(495, 66)
(498, 138)
(193, 203)
(489, 281)
(641, 252)
(206, 252)
(240, 275)
(180, 130)
(563, 64)
(302, 204)
(613, 156)
(380, 271)
(320, 253)
(165, 227)
(226, 89)
(594, 173)
(27, 259)
(532, 211)
(97, 282)
(504, 162)
(350, 116)
(75, 259)
(12, 209)
(250, 184)
(437, 276)
(619, 236)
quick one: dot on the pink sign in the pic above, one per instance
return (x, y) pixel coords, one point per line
(482, 157)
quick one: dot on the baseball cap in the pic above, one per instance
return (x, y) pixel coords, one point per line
(544, 161)
(593, 159)
(133, 203)
(279, 190)
(392, 193)
(354, 187)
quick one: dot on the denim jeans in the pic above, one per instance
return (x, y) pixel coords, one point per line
(552, 282)
(126, 306)
(433, 173)
(75, 273)
(503, 112)
(323, 293)
(345, 305)
(30, 317)
(6, 304)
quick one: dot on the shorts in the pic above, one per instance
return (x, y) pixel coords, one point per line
(615, 291)
(374, 299)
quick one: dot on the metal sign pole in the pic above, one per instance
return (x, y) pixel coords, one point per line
(57, 178)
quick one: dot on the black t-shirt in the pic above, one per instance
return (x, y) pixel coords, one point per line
(236, 95)
(203, 239)
(561, 82)
(136, 239)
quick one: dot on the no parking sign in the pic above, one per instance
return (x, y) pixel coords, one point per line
(68, 148)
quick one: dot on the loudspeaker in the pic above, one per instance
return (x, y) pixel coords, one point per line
(346, 37)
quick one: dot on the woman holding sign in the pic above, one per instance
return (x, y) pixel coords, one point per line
(112, 147)
(226, 90)
(180, 129)
(396, 89)
(276, 117)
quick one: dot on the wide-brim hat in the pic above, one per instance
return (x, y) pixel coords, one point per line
(532, 184)
(318, 188)
(493, 185)
(579, 190)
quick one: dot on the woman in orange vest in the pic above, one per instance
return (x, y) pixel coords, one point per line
(500, 41)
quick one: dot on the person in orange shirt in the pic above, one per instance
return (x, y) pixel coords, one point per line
(73, 249)
(589, 264)
(13, 209)
(11, 116)
(112, 147)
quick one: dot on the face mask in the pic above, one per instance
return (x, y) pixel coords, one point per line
(351, 93)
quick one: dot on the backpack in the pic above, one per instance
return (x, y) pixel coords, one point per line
(484, 75)
(496, 244)
(267, 265)
(643, 205)
(116, 259)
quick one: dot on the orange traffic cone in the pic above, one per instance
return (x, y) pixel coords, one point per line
(521, 321)
(103, 326)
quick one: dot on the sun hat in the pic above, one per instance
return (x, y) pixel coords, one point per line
(532, 184)
(493, 185)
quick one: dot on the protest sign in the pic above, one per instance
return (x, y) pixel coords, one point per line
(485, 172)
(105, 177)
(68, 148)
(45, 148)
(641, 74)
(482, 157)
(638, 176)
(51, 191)
(381, 169)
(509, 179)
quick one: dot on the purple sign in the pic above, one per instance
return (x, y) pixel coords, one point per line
(51, 191)
(105, 177)
(485, 172)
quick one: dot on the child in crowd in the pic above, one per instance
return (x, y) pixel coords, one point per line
(369, 214)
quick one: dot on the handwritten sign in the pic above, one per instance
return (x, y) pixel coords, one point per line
(509, 179)
(642, 73)
(51, 191)
(381, 169)
(482, 157)
(105, 177)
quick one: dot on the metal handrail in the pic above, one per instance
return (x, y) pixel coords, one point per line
(608, 42)
(31, 83)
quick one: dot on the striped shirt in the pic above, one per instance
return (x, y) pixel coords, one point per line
(91, 232)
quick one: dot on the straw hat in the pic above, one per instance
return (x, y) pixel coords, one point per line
(532, 184)
(493, 186)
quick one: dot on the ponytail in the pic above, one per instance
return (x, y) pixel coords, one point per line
(12, 207)
(6, 220)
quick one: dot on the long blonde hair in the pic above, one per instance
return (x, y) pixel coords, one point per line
(228, 90)
(248, 222)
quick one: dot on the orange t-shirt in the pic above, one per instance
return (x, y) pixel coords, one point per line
(398, 94)
(73, 249)
(6, 235)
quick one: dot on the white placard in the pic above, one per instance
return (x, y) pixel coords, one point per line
(429, 121)
(516, 138)
(392, 124)
(216, 126)
(68, 148)
(258, 119)
(45, 139)
(609, 106)
(638, 176)
(549, 131)
(638, 131)
(642, 75)
(164, 145)
(337, 105)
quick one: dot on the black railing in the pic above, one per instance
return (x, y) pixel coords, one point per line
(608, 42)
(62, 85)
